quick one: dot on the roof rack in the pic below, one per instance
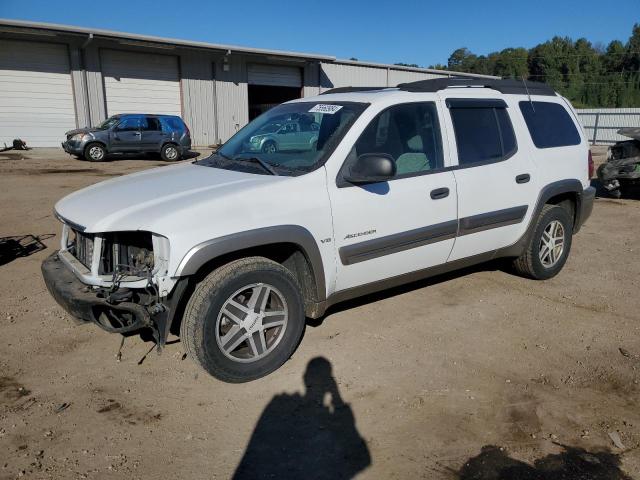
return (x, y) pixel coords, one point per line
(522, 87)
(352, 89)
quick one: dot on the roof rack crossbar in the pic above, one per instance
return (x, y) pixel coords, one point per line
(501, 85)
(352, 89)
(522, 87)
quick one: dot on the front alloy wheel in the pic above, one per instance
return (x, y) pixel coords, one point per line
(244, 320)
(95, 152)
(252, 322)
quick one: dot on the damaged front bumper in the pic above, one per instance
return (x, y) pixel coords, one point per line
(122, 311)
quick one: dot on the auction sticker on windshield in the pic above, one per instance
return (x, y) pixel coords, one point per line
(325, 108)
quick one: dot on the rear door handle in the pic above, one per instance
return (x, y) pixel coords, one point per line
(439, 193)
(524, 178)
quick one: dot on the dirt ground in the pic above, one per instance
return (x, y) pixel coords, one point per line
(476, 375)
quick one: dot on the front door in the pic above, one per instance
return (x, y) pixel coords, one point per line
(127, 135)
(408, 223)
(496, 179)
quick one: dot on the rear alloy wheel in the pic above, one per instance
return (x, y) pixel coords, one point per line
(170, 153)
(244, 320)
(549, 245)
(94, 152)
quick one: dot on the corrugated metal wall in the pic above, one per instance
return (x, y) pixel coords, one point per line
(351, 75)
(601, 124)
(198, 96)
(232, 98)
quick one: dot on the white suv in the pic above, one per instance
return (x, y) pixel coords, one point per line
(234, 251)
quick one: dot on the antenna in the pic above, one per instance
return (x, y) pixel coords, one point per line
(528, 94)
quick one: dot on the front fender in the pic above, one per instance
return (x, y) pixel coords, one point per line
(203, 253)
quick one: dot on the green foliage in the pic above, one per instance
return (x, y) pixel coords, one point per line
(588, 75)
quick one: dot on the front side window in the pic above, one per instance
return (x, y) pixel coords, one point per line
(549, 124)
(484, 134)
(130, 124)
(409, 133)
(292, 138)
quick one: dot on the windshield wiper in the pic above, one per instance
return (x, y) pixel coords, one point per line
(259, 161)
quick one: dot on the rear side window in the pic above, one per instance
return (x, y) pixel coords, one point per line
(173, 124)
(549, 124)
(152, 124)
(484, 133)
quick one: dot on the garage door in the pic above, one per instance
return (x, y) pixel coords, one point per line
(275, 75)
(36, 97)
(141, 83)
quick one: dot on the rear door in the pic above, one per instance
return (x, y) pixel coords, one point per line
(152, 134)
(496, 178)
(408, 223)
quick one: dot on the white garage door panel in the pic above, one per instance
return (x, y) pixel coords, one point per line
(36, 95)
(141, 83)
(276, 75)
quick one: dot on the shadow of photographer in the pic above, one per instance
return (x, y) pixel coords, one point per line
(311, 436)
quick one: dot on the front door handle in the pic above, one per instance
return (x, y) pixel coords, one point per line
(524, 178)
(439, 193)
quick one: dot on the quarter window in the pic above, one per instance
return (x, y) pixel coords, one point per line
(549, 124)
(483, 134)
(409, 133)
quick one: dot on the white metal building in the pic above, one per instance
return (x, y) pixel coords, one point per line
(54, 78)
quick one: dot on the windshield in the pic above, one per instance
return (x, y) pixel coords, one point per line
(292, 138)
(108, 123)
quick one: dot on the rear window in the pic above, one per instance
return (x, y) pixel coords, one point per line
(549, 124)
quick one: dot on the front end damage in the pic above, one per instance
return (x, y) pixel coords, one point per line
(114, 280)
(622, 168)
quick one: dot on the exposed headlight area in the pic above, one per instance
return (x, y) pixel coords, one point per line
(129, 256)
(127, 253)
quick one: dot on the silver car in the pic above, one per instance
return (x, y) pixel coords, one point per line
(300, 134)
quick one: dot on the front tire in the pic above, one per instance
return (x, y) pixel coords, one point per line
(549, 246)
(170, 153)
(269, 147)
(95, 152)
(244, 320)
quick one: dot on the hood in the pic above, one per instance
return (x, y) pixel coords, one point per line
(83, 130)
(141, 201)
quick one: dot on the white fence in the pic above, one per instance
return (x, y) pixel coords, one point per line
(601, 124)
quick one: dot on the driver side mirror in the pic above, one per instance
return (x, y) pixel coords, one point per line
(371, 168)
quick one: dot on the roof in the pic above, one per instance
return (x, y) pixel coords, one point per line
(96, 32)
(19, 26)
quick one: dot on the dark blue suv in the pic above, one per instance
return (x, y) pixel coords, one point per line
(131, 133)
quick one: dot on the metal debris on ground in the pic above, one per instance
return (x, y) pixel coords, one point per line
(17, 144)
(617, 441)
(61, 408)
(628, 354)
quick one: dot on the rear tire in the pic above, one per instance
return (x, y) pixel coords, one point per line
(549, 246)
(170, 153)
(234, 339)
(95, 152)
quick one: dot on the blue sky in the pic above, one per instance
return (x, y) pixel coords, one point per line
(422, 32)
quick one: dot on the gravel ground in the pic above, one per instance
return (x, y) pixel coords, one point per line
(475, 375)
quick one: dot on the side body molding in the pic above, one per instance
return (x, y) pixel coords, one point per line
(211, 249)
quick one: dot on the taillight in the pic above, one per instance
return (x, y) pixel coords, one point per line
(189, 134)
(590, 165)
